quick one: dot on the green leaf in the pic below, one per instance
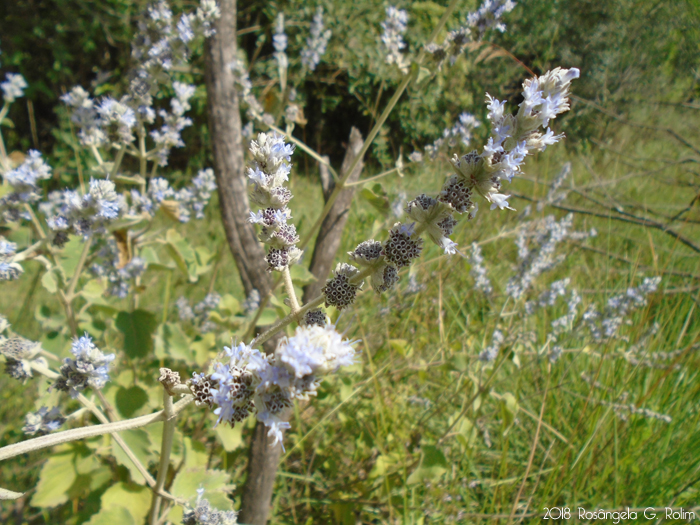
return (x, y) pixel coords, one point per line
(229, 305)
(57, 476)
(381, 203)
(400, 346)
(182, 254)
(113, 516)
(214, 482)
(230, 438)
(49, 282)
(136, 499)
(140, 444)
(129, 400)
(172, 342)
(94, 292)
(70, 255)
(432, 465)
(138, 327)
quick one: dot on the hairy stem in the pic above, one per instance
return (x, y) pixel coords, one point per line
(289, 285)
(76, 434)
(165, 448)
(279, 325)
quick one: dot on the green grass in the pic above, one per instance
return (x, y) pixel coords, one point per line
(420, 431)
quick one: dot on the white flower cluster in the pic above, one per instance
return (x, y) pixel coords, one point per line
(279, 42)
(90, 368)
(13, 87)
(252, 381)
(489, 16)
(24, 182)
(180, 204)
(536, 249)
(619, 306)
(163, 43)
(513, 138)
(316, 43)
(486, 17)
(43, 421)
(460, 132)
(168, 136)
(68, 211)
(199, 315)
(9, 269)
(490, 353)
(393, 28)
(271, 168)
(118, 273)
(254, 110)
(478, 270)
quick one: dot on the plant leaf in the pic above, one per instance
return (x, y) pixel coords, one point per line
(138, 327)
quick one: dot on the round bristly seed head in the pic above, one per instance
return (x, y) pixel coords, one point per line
(338, 290)
(201, 386)
(367, 252)
(280, 236)
(400, 249)
(385, 279)
(19, 348)
(425, 202)
(456, 193)
(280, 258)
(447, 225)
(315, 317)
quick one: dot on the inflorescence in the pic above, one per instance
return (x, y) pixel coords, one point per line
(90, 368)
(254, 382)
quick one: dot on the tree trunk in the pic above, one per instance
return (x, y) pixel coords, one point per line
(229, 161)
(331, 232)
(229, 166)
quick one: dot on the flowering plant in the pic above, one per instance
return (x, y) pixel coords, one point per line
(98, 240)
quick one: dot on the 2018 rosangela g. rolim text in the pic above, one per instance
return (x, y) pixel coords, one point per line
(616, 516)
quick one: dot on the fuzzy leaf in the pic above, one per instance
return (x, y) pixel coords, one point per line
(57, 476)
(138, 327)
(136, 499)
(112, 516)
(140, 444)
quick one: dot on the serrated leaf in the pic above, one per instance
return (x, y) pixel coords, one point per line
(57, 476)
(129, 400)
(138, 328)
(113, 516)
(432, 465)
(214, 482)
(140, 444)
(70, 255)
(172, 342)
(49, 282)
(136, 499)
